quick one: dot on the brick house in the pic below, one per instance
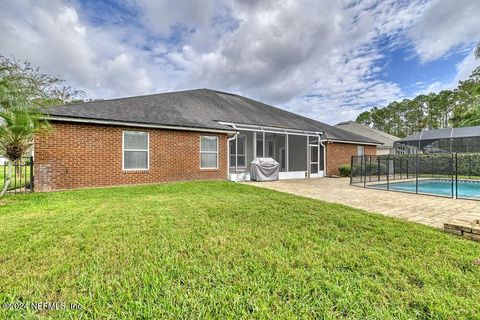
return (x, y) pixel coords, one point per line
(179, 136)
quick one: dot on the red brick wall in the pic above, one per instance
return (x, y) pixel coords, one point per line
(85, 155)
(341, 153)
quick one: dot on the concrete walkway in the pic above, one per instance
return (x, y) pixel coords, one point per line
(429, 210)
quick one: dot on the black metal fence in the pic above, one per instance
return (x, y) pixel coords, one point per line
(21, 176)
(446, 175)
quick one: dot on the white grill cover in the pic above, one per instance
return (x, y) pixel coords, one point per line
(264, 169)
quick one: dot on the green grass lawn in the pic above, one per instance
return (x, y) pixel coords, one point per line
(226, 250)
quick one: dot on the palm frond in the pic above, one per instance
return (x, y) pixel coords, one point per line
(18, 126)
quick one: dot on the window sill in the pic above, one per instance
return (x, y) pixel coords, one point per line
(135, 170)
(209, 169)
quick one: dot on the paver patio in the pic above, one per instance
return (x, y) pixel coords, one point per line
(429, 210)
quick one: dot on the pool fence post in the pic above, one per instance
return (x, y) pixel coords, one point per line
(469, 167)
(388, 172)
(378, 169)
(456, 175)
(393, 167)
(365, 171)
(370, 170)
(351, 169)
(407, 167)
(451, 173)
(417, 166)
(400, 168)
(431, 166)
(361, 170)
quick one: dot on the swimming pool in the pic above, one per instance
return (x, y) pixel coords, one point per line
(442, 187)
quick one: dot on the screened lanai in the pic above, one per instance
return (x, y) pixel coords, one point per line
(460, 140)
(299, 153)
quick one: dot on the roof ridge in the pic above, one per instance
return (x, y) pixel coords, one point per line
(271, 107)
(374, 130)
(387, 135)
(131, 97)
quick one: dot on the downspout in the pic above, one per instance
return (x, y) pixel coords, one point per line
(286, 151)
(263, 143)
(324, 156)
(228, 153)
(254, 145)
(308, 155)
(236, 156)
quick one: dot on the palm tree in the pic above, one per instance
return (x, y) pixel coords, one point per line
(22, 92)
(18, 126)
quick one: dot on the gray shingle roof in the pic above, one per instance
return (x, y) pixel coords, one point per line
(201, 108)
(386, 139)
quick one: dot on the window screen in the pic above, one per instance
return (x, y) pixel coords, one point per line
(241, 154)
(135, 150)
(259, 150)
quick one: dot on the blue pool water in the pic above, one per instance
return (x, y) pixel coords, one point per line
(466, 189)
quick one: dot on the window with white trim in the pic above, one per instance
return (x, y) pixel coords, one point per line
(135, 150)
(208, 152)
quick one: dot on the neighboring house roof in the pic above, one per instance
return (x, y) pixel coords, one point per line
(447, 133)
(386, 139)
(201, 108)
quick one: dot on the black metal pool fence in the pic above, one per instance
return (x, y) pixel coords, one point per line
(21, 176)
(448, 174)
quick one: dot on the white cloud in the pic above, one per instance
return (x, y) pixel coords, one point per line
(280, 53)
(122, 75)
(317, 58)
(51, 35)
(463, 70)
(446, 25)
(163, 15)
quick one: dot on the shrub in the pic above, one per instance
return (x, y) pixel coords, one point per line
(344, 170)
(370, 167)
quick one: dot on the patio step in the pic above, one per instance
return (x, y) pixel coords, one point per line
(468, 229)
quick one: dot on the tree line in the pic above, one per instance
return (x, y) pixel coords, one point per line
(459, 107)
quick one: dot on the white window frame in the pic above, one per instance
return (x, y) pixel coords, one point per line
(208, 152)
(138, 150)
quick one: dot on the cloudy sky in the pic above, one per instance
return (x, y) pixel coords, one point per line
(327, 59)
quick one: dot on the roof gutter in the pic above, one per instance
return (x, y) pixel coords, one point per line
(249, 127)
(269, 129)
(137, 125)
(354, 142)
